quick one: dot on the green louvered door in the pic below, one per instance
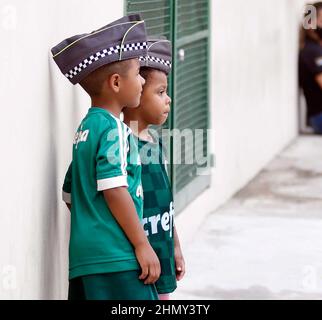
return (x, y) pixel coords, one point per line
(186, 24)
(156, 13)
(190, 95)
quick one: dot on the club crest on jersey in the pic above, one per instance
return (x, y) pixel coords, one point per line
(80, 136)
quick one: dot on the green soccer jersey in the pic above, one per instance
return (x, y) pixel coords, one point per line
(105, 156)
(158, 212)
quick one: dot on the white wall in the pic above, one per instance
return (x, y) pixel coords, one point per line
(40, 111)
(253, 95)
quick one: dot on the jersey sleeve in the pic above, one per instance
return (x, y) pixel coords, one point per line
(111, 158)
(67, 186)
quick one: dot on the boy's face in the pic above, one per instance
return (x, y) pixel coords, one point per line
(132, 83)
(155, 102)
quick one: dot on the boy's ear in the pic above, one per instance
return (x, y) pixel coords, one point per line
(114, 82)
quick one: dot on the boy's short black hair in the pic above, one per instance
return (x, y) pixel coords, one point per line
(146, 71)
(93, 83)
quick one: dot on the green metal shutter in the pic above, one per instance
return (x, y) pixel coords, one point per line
(190, 93)
(186, 24)
(156, 13)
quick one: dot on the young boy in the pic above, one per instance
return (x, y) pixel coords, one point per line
(108, 245)
(158, 201)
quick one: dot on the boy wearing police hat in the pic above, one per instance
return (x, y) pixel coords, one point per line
(108, 245)
(158, 212)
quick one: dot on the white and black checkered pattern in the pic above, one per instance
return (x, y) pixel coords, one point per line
(101, 54)
(155, 59)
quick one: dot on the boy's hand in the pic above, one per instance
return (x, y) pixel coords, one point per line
(178, 257)
(149, 263)
(180, 264)
(123, 209)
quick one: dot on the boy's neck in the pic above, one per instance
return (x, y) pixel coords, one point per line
(112, 106)
(138, 127)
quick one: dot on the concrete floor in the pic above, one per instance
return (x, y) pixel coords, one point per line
(266, 242)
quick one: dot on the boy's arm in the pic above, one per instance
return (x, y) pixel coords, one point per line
(111, 175)
(123, 209)
(178, 256)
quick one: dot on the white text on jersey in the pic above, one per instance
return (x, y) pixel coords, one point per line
(81, 136)
(165, 219)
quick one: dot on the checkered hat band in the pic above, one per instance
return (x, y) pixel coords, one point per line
(155, 59)
(103, 53)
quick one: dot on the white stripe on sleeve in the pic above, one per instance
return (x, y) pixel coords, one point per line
(120, 131)
(110, 183)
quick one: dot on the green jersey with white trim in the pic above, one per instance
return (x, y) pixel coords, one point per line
(105, 156)
(158, 212)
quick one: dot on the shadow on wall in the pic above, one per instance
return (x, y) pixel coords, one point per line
(50, 246)
(54, 262)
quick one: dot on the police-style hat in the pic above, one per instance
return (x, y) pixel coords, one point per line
(80, 55)
(159, 54)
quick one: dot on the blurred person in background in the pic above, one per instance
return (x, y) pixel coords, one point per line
(310, 70)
